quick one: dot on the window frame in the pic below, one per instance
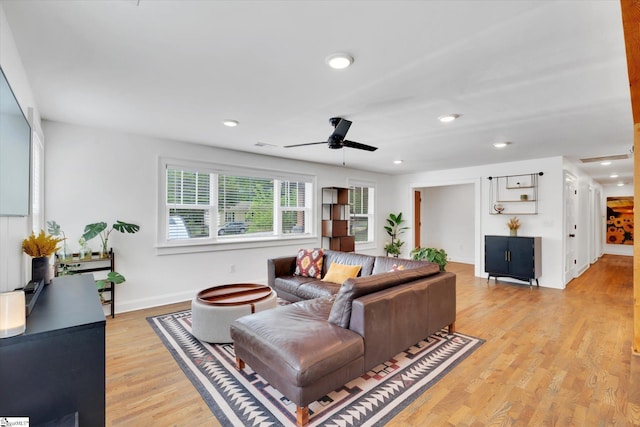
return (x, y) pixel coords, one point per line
(370, 243)
(214, 242)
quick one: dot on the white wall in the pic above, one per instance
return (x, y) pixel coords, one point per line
(615, 191)
(96, 175)
(13, 263)
(548, 223)
(448, 220)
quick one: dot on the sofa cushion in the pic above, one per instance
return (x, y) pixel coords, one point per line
(309, 263)
(384, 264)
(359, 286)
(338, 273)
(290, 284)
(317, 289)
(348, 258)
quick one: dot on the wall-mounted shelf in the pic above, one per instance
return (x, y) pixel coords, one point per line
(514, 194)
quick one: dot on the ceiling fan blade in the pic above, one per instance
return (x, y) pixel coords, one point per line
(353, 144)
(341, 130)
(308, 143)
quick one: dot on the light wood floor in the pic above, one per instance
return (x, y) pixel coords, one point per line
(551, 358)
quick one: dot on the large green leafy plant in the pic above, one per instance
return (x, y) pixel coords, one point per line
(439, 256)
(100, 229)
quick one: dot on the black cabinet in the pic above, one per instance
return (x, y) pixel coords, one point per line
(56, 369)
(515, 257)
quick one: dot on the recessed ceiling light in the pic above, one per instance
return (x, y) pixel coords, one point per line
(339, 61)
(397, 162)
(501, 144)
(448, 118)
(621, 184)
(613, 175)
(230, 123)
(606, 163)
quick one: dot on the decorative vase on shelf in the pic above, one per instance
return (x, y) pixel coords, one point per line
(85, 253)
(513, 232)
(104, 252)
(65, 253)
(40, 269)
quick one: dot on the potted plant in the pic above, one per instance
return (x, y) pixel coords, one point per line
(439, 256)
(513, 224)
(100, 229)
(40, 248)
(394, 229)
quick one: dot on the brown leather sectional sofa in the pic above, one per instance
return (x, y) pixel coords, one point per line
(335, 333)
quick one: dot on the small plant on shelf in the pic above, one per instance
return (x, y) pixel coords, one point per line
(100, 229)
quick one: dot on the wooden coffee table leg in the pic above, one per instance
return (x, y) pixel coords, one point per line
(239, 363)
(302, 415)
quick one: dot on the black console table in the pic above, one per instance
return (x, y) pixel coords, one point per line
(57, 367)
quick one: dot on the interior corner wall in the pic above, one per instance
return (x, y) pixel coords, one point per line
(447, 217)
(115, 176)
(13, 263)
(615, 191)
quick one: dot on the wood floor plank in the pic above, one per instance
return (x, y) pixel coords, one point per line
(551, 357)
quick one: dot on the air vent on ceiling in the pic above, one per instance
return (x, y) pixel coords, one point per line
(605, 158)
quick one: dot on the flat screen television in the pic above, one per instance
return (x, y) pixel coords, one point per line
(15, 154)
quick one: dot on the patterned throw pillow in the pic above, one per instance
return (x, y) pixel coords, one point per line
(397, 267)
(309, 263)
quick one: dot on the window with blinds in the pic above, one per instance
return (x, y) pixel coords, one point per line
(208, 203)
(361, 209)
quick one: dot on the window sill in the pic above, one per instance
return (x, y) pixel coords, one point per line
(233, 244)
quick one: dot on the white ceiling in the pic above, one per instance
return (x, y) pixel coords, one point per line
(549, 76)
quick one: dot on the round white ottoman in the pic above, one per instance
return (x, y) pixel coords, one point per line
(213, 309)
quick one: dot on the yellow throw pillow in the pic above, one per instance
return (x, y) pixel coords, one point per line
(339, 273)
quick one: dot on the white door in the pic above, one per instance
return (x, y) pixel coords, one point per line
(570, 226)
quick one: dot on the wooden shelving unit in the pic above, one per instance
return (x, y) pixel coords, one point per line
(77, 265)
(335, 220)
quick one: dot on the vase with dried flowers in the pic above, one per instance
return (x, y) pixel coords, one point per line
(513, 224)
(40, 248)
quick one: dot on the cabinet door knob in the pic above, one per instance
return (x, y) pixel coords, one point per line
(572, 235)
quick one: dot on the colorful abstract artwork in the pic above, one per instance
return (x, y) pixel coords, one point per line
(620, 220)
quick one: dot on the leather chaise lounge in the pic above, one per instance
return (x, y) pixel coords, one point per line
(335, 333)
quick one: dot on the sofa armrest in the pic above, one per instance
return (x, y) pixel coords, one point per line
(277, 267)
(376, 316)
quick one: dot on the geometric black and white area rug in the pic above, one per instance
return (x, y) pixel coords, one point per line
(243, 398)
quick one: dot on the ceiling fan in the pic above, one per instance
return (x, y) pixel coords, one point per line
(336, 139)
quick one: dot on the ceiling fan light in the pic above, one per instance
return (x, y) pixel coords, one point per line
(448, 118)
(339, 61)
